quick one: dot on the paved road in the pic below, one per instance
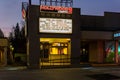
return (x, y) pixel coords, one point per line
(85, 73)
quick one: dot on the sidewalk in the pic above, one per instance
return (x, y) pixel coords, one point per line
(105, 65)
(9, 67)
(13, 68)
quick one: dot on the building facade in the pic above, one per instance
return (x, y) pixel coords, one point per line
(3, 49)
(59, 36)
(98, 35)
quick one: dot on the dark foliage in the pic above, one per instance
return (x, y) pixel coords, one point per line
(17, 39)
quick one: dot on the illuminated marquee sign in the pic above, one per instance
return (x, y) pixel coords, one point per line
(51, 25)
(58, 9)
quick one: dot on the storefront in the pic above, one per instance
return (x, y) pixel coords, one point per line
(94, 45)
(100, 38)
(116, 36)
(55, 51)
(59, 36)
(52, 36)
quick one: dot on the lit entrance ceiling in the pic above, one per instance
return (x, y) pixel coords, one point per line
(54, 40)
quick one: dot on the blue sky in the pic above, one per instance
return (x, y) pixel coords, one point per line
(10, 10)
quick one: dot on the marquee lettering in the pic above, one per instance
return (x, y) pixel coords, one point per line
(57, 8)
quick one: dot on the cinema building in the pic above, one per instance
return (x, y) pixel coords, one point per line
(61, 36)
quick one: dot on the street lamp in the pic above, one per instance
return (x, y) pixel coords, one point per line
(11, 53)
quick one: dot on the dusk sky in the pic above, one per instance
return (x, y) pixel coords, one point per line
(10, 10)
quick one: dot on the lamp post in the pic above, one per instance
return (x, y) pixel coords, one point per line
(11, 53)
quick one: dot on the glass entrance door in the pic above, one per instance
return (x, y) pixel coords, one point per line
(44, 51)
(55, 51)
(84, 52)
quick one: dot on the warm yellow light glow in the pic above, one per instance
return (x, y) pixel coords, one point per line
(50, 40)
(1, 56)
(54, 51)
(57, 51)
(65, 51)
(57, 45)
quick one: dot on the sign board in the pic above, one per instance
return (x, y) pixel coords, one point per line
(52, 25)
(57, 9)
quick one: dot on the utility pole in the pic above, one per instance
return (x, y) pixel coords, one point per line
(29, 2)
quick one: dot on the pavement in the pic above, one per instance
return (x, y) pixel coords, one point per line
(13, 68)
(81, 73)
